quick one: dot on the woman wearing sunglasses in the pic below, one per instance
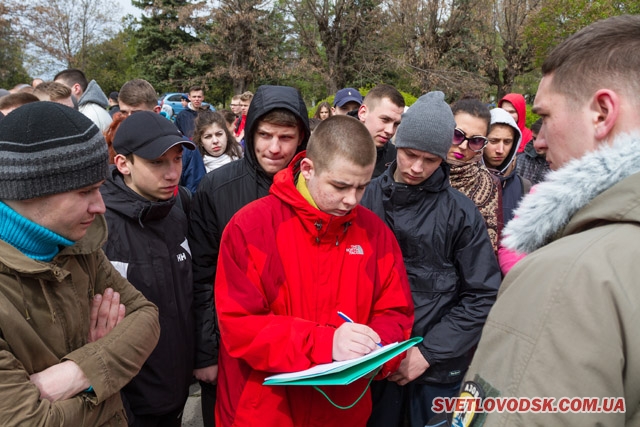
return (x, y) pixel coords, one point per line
(468, 174)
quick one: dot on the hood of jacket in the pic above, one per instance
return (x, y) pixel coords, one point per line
(521, 107)
(126, 202)
(570, 199)
(502, 117)
(268, 98)
(318, 224)
(94, 95)
(404, 194)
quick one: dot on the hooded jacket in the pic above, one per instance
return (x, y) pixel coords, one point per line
(513, 188)
(531, 165)
(521, 107)
(93, 104)
(286, 269)
(220, 195)
(453, 273)
(44, 319)
(565, 321)
(147, 243)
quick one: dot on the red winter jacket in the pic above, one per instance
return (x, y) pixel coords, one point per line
(521, 107)
(284, 271)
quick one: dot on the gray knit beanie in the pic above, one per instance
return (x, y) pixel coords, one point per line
(427, 125)
(48, 148)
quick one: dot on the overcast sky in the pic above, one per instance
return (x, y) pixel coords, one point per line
(126, 8)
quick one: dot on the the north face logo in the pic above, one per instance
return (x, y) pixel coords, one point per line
(355, 250)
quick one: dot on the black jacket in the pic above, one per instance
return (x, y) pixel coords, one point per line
(384, 155)
(453, 273)
(220, 195)
(147, 243)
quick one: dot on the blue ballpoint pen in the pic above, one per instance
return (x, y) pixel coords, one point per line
(348, 319)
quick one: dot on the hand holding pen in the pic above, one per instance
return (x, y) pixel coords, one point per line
(353, 340)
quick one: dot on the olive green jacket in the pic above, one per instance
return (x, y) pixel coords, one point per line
(566, 322)
(44, 320)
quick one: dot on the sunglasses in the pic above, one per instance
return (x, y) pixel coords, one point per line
(476, 142)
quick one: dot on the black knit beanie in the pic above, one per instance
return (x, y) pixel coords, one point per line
(48, 148)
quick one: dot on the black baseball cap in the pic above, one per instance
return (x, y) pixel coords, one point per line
(148, 135)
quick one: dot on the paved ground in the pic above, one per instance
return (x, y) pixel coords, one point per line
(192, 416)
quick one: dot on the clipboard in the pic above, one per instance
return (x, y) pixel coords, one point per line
(345, 372)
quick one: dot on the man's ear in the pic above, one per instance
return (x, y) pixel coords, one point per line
(122, 164)
(307, 169)
(157, 109)
(605, 105)
(76, 90)
(362, 112)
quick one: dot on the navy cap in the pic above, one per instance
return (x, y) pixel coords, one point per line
(345, 95)
(184, 96)
(148, 135)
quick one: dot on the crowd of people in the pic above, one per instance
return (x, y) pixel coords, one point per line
(140, 253)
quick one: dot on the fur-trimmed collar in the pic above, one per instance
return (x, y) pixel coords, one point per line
(543, 214)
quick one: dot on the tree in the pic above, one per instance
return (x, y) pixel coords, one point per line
(555, 20)
(507, 53)
(246, 40)
(60, 32)
(435, 43)
(332, 36)
(112, 62)
(12, 71)
(162, 45)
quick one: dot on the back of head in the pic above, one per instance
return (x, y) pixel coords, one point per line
(138, 92)
(72, 76)
(381, 92)
(473, 107)
(52, 91)
(343, 137)
(47, 148)
(427, 126)
(15, 100)
(604, 54)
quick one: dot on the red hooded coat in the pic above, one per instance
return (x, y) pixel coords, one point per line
(521, 107)
(284, 271)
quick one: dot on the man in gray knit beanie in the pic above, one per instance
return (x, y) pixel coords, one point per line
(61, 298)
(453, 273)
(427, 126)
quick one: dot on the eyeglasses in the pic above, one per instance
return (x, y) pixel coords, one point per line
(235, 105)
(476, 142)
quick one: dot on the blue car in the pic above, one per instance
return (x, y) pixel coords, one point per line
(172, 105)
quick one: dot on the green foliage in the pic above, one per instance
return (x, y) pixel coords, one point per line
(531, 117)
(12, 71)
(111, 63)
(408, 99)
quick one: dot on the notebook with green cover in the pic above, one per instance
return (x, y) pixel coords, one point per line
(345, 372)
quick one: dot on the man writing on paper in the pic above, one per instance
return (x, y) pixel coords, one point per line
(288, 263)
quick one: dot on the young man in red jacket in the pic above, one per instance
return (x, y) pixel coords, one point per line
(288, 263)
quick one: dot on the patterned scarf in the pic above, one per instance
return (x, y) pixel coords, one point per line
(474, 181)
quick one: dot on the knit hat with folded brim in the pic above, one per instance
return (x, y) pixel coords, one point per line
(427, 125)
(48, 148)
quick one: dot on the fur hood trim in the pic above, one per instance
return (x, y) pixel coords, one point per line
(543, 214)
